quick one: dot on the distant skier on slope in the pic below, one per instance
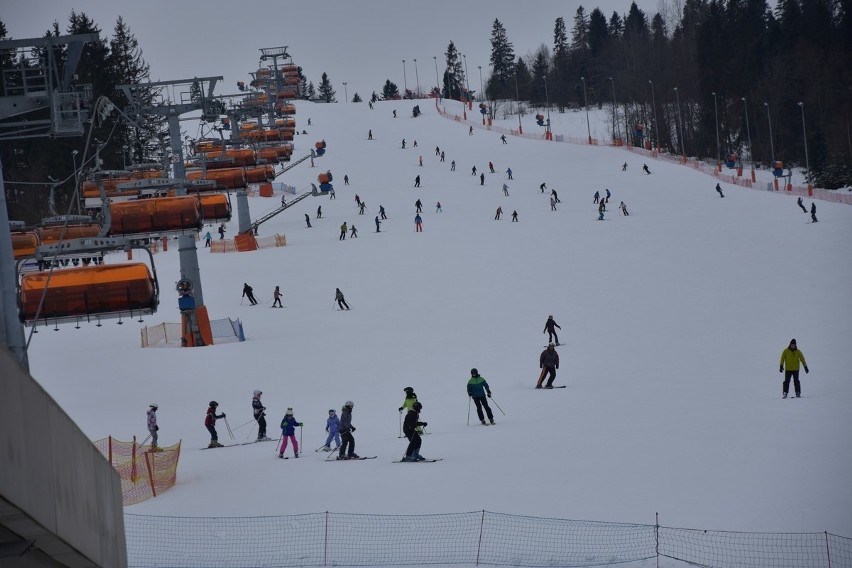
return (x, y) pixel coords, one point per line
(478, 390)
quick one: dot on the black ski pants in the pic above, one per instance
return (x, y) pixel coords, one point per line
(482, 402)
(261, 426)
(795, 376)
(214, 437)
(414, 442)
(347, 444)
(342, 303)
(551, 335)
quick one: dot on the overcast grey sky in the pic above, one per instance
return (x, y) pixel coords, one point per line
(360, 42)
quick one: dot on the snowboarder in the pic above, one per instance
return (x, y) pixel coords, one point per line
(410, 428)
(478, 389)
(798, 202)
(276, 294)
(623, 208)
(345, 179)
(452, 165)
(813, 212)
(378, 224)
(288, 430)
(341, 301)
(248, 292)
(542, 187)
(550, 327)
(645, 169)
(491, 167)
(503, 138)
(152, 425)
(418, 223)
(208, 238)
(548, 362)
(308, 220)
(347, 447)
(601, 210)
(419, 206)
(438, 208)
(382, 212)
(481, 179)
(410, 399)
(332, 425)
(498, 214)
(210, 424)
(514, 216)
(417, 181)
(353, 232)
(222, 231)
(719, 190)
(319, 212)
(259, 415)
(505, 190)
(343, 229)
(597, 196)
(509, 173)
(789, 365)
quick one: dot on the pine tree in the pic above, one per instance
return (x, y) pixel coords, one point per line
(502, 62)
(326, 92)
(390, 91)
(540, 88)
(303, 86)
(454, 74)
(311, 92)
(561, 65)
(357, 98)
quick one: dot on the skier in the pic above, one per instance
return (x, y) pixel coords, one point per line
(438, 208)
(452, 165)
(509, 173)
(597, 196)
(259, 415)
(473, 171)
(347, 447)
(552, 204)
(319, 212)
(555, 195)
(623, 208)
(505, 190)
(470, 131)
(491, 167)
(645, 169)
(719, 190)
(542, 187)
(378, 224)
(601, 210)
(353, 232)
(277, 295)
(798, 202)
(343, 229)
(478, 389)
(208, 237)
(790, 358)
(152, 425)
(394, 113)
(288, 430)
(346, 179)
(418, 223)
(624, 167)
(415, 144)
(514, 216)
(370, 133)
(222, 231)
(331, 194)
(442, 155)
(283, 201)
(362, 207)
(370, 104)
(481, 179)
(248, 292)
(608, 195)
(410, 399)
(403, 142)
(419, 206)
(417, 181)
(503, 139)
(410, 429)
(357, 200)
(341, 301)
(437, 151)
(548, 362)
(813, 212)
(308, 220)
(210, 424)
(332, 425)
(421, 161)
(382, 212)
(550, 327)
(498, 214)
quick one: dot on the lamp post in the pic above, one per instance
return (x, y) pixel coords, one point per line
(417, 77)
(481, 93)
(771, 142)
(615, 111)
(345, 92)
(716, 114)
(748, 133)
(586, 103)
(437, 79)
(518, 99)
(547, 102)
(805, 140)
(680, 123)
(466, 76)
(654, 104)
(404, 79)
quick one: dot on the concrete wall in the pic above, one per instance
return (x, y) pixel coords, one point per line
(55, 487)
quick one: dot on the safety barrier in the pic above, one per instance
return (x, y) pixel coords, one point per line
(474, 538)
(228, 245)
(168, 334)
(144, 472)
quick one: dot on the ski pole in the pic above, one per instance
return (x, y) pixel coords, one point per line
(246, 424)
(145, 441)
(277, 444)
(400, 424)
(250, 432)
(228, 426)
(468, 410)
(300, 434)
(498, 406)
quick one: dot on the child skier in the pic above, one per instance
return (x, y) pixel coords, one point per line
(288, 430)
(411, 429)
(346, 428)
(332, 426)
(152, 425)
(259, 415)
(210, 424)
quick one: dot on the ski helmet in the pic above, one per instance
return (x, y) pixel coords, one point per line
(257, 392)
(214, 403)
(408, 389)
(289, 412)
(331, 411)
(348, 404)
(154, 405)
(416, 406)
(474, 372)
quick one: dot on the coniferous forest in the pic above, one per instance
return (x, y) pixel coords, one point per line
(742, 68)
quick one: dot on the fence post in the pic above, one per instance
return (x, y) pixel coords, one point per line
(479, 544)
(109, 444)
(827, 550)
(657, 537)
(149, 458)
(133, 471)
(325, 542)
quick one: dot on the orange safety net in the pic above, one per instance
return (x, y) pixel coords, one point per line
(144, 473)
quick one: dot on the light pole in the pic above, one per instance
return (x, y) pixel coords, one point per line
(547, 102)
(680, 123)
(805, 140)
(345, 92)
(481, 90)
(417, 76)
(404, 79)
(615, 111)
(716, 113)
(518, 99)
(586, 103)
(466, 76)
(654, 104)
(771, 142)
(437, 80)
(748, 133)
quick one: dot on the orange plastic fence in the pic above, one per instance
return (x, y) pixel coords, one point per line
(144, 473)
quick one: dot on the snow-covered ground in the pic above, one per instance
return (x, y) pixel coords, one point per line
(673, 321)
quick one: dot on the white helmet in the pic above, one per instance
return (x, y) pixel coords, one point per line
(257, 392)
(154, 405)
(348, 404)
